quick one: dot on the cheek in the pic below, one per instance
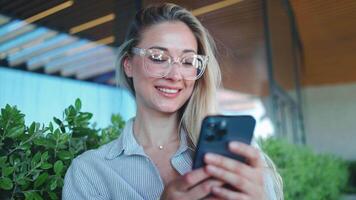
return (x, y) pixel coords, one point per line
(137, 68)
(190, 88)
(138, 74)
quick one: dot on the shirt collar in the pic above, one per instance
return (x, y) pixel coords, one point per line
(127, 144)
(130, 145)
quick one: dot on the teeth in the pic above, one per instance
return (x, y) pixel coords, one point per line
(171, 91)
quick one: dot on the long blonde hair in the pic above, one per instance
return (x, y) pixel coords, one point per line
(202, 101)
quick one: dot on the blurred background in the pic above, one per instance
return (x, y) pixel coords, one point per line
(290, 63)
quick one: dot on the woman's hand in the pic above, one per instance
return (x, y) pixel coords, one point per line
(247, 179)
(193, 185)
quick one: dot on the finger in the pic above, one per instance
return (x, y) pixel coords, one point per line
(229, 164)
(192, 178)
(203, 189)
(250, 153)
(238, 182)
(228, 194)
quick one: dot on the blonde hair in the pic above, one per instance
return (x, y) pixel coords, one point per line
(203, 99)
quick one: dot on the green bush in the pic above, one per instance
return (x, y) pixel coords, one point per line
(351, 186)
(307, 175)
(34, 159)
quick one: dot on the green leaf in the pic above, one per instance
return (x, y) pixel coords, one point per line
(6, 183)
(21, 181)
(35, 174)
(11, 117)
(31, 130)
(37, 196)
(85, 116)
(52, 195)
(50, 126)
(7, 171)
(57, 121)
(65, 155)
(3, 160)
(35, 159)
(32, 195)
(72, 111)
(40, 141)
(78, 104)
(15, 131)
(46, 166)
(41, 179)
(81, 132)
(44, 156)
(28, 152)
(28, 195)
(53, 183)
(58, 167)
(60, 124)
(24, 183)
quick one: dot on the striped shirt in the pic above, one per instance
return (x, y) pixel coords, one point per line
(121, 170)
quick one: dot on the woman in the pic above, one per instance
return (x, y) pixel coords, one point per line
(168, 64)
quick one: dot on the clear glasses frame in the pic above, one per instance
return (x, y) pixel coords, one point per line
(157, 63)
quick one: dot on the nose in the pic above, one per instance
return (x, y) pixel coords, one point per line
(174, 72)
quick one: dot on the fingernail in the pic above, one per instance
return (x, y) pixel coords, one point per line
(234, 145)
(209, 157)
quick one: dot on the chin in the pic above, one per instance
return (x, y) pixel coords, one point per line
(167, 105)
(168, 109)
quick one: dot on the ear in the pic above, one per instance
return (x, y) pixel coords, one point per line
(127, 66)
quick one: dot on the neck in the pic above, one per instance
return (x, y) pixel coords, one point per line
(155, 129)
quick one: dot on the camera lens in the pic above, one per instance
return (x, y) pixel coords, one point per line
(210, 136)
(211, 125)
(221, 130)
(222, 125)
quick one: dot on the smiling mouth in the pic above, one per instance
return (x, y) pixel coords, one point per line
(168, 90)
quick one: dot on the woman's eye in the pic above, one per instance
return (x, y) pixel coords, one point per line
(188, 61)
(158, 58)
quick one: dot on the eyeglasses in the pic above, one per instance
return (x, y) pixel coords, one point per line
(157, 63)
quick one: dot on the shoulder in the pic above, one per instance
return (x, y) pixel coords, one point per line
(95, 156)
(86, 174)
(100, 157)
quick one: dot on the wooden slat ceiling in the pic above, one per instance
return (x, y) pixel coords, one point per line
(328, 34)
(80, 12)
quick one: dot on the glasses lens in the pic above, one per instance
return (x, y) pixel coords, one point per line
(157, 63)
(192, 67)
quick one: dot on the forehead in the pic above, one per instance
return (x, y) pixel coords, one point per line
(174, 36)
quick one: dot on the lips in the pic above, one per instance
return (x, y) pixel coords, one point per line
(168, 91)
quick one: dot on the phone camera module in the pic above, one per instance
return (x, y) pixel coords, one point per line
(210, 137)
(221, 129)
(211, 126)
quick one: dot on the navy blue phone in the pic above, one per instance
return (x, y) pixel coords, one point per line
(217, 131)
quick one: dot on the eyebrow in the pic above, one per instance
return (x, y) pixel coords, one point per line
(165, 49)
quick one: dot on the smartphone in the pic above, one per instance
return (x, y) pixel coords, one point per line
(217, 131)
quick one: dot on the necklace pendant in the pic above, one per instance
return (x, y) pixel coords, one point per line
(160, 147)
